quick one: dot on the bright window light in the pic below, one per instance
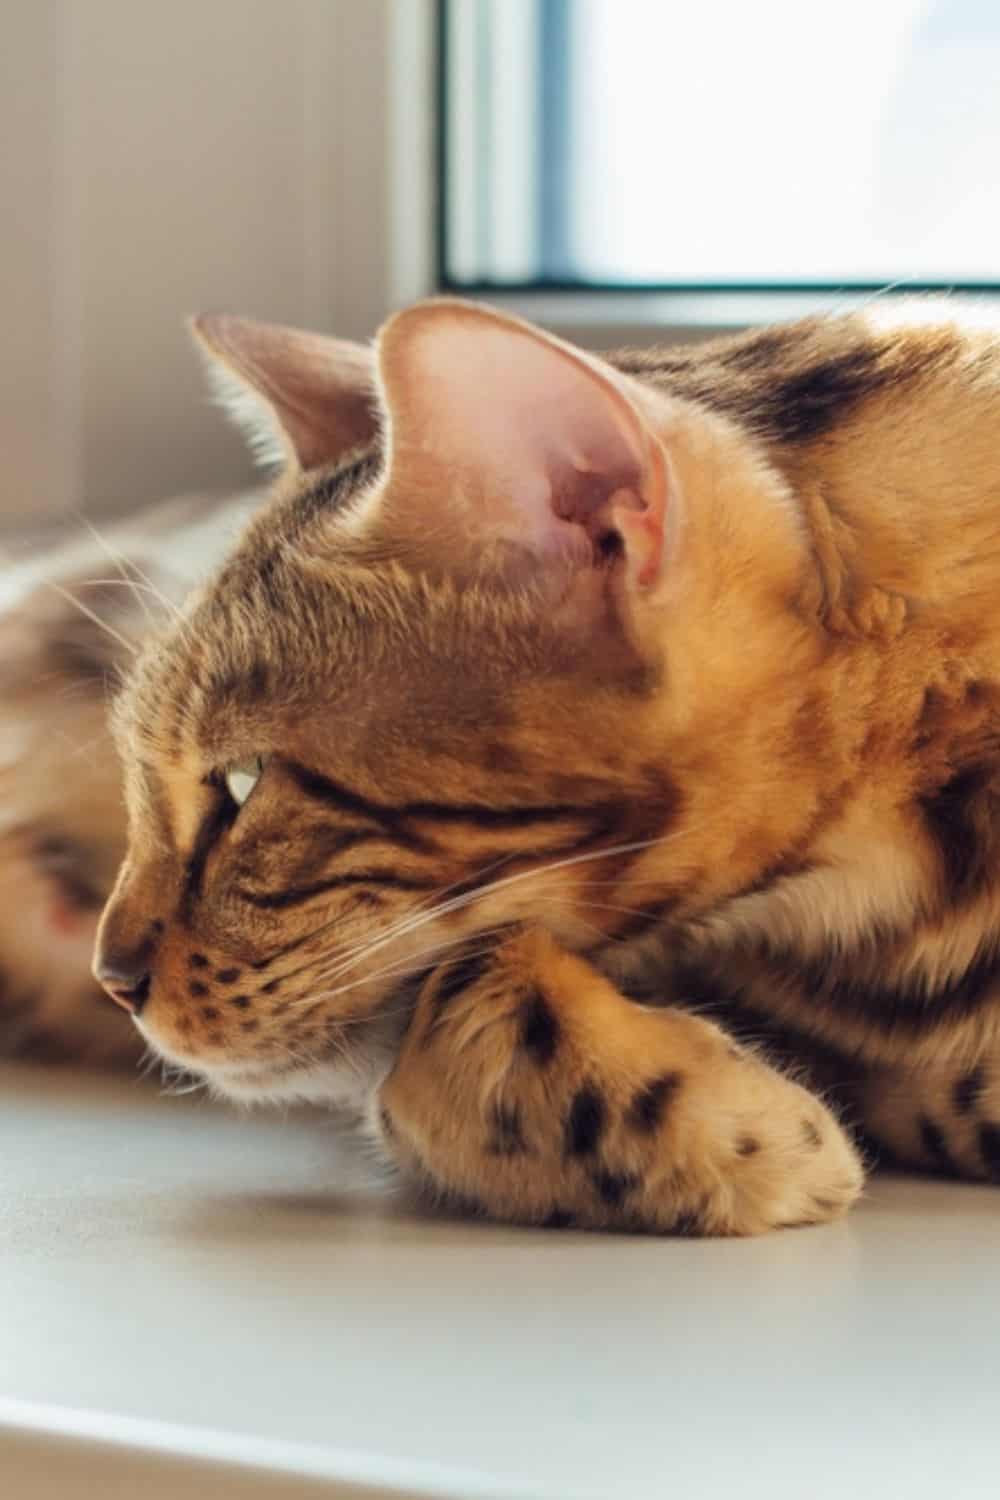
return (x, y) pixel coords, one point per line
(717, 142)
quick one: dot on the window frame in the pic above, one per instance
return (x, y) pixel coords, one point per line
(677, 303)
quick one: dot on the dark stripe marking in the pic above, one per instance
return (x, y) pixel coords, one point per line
(750, 1023)
(217, 822)
(645, 1112)
(389, 816)
(960, 817)
(455, 979)
(559, 1218)
(507, 1138)
(791, 384)
(687, 1225)
(822, 981)
(804, 405)
(324, 789)
(641, 923)
(789, 867)
(612, 1187)
(325, 843)
(989, 1150)
(932, 1138)
(539, 1028)
(491, 817)
(586, 1122)
(968, 1091)
(464, 1203)
(296, 895)
(460, 975)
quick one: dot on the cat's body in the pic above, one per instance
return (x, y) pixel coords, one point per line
(676, 677)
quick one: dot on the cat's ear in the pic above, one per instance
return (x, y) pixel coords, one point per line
(301, 398)
(501, 433)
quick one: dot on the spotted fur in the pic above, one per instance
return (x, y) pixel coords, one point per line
(716, 726)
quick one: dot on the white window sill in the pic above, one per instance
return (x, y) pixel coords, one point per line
(195, 1302)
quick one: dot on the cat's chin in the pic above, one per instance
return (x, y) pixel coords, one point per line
(329, 1083)
(336, 1081)
(326, 1083)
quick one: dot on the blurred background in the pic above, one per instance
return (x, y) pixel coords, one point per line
(618, 169)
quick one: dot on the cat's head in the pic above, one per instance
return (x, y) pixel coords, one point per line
(446, 682)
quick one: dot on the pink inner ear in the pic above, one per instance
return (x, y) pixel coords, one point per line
(553, 449)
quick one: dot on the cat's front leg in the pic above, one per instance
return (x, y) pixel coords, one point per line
(529, 1086)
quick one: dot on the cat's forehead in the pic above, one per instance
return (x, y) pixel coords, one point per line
(292, 643)
(265, 639)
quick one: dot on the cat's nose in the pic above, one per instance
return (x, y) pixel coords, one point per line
(126, 978)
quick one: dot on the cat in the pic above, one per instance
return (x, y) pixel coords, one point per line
(587, 767)
(74, 604)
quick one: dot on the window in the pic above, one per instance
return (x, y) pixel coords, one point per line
(648, 143)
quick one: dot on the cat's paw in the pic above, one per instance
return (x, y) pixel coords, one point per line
(528, 1085)
(734, 1147)
(775, 1156)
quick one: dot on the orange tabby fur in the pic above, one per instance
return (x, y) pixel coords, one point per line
(674, 675)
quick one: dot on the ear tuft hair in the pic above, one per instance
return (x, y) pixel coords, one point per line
(302, 399)
(247, 410)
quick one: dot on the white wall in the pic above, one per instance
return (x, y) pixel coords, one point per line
(263, 156)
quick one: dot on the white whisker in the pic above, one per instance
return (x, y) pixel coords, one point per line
(418, 906)
(404, 968)
(413, 921)
(90, 615)
(123, 563)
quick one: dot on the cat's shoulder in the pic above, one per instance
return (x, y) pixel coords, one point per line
(791, 382)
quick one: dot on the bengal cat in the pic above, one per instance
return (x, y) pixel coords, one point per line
(590, 766)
